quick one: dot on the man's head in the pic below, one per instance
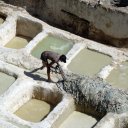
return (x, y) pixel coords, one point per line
(63, 58)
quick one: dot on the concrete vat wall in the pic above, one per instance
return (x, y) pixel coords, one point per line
(27, 28)
(93, 20)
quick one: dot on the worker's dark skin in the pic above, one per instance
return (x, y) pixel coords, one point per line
(54, 58)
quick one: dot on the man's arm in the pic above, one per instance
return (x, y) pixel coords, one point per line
(61, 71)
(50, 65)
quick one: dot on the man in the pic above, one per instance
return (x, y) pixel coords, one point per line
(54, 58)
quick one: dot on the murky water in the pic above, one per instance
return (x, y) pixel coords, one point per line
(34, 110)
(89, 62)
(51, 43)
(5, 82)
(119, 76)
(78, 120)
(1, 20)
(18, 42)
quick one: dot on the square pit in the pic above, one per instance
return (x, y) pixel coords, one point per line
(52, 43)
(89, 62)
(26, 30)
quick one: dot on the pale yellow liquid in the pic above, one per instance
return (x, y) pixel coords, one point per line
(18, 42)
(78, 120)
(1, 20)
(89, 62)
(119, 76)
(51, 43)
(5, 82)
(34, 110)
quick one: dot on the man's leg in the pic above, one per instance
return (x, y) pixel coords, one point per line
(44, 64)
(48, 74)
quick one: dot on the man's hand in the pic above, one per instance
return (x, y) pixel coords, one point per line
(57, 67)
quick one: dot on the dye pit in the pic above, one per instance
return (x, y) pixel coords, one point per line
(17, 42)
(1, 20)
(51, 43)
(92, 95)
(77, 119)
(89, 62)
(5, 82)
(119, 76)
(34, 107)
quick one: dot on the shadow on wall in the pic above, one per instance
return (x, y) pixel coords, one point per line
(120, 3)
(75, 24)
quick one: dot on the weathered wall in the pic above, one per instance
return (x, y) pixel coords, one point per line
(95, 94)
(119, 3)
(91, 20)
(7, 29)
(27, 27)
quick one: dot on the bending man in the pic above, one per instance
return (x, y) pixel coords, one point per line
(54, 58)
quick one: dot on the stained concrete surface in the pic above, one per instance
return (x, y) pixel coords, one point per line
(88, 95)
